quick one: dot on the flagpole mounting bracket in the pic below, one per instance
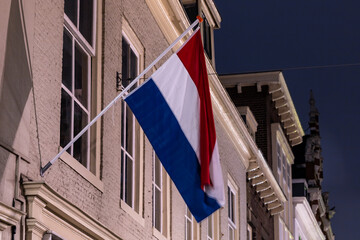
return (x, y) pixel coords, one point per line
(119, 85)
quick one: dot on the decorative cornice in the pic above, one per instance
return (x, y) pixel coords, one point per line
(9, 215)
(214, 12)
(65, 210)
(280, 96)
(262, 178)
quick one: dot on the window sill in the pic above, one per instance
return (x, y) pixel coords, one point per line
(84, 172)
(129, 210)
(158, 234)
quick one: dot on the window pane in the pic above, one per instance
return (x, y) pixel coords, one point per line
(70, 9)
(67, 61)
(122, 192)
(232, 207)
(65, 119)
(207, 38)
(86, 19)
(125, 62)
(81, 76)
(188, 213)
(157, 172)
(133, 65)
(157, 199)
(81, 145)
(229, 203)
(128, 180)
(129, 130)
(210, 227)
(284, 168)
(278, 155)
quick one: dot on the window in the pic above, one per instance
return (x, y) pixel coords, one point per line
(78, 51)
(161, 200)
(192, 9)
(188, 225)
(128, 138)
(232, 194)
(191, 226)
(213, 226)
(288, 176)
(231, 213)
(284, 163)
(206, 36)
(210, 233)
(157, 194)
(285, 158)
(281, 231)
(279, 157)
(132, 137)
(249, 232)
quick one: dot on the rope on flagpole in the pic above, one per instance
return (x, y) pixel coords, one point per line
(120, 95)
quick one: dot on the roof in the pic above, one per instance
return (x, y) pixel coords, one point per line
(280, 96)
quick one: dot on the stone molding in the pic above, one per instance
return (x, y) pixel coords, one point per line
(42, 199)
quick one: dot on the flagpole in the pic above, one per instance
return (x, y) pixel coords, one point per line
(120, 95)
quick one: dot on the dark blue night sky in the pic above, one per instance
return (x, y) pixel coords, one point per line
(263, 35)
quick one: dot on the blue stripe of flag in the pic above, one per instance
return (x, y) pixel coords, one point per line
(172, 147)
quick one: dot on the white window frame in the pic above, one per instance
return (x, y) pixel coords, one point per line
(283, 221)
(160, 188)
(75, 29)
(232, 210)
(249, 232)
(284, 167)
(189, 219)
(195, 233)
(124, 152)
(77, 39)
(136, 210)
(211, 222)
(233, 224)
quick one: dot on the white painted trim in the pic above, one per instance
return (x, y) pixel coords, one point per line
(64, 210)
(235, 189)
(138, 140)
(304, 215)
(277, 132)
(129, 210)
(9, 216)
(84, 172)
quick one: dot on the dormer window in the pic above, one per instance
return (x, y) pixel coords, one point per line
(249, 120)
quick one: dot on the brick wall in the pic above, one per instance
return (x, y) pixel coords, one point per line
(44, 126)
(259, 217)
(264, 111)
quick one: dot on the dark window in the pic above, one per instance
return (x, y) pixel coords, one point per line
(191, 11)
(80, 12)
(76, 77)
(207, 38)
(75, 102)
(129, 72)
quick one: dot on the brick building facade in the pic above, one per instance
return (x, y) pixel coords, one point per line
(270, 214)
(59, 62)
(62, 62)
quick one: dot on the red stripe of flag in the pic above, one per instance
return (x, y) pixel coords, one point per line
(192, 56)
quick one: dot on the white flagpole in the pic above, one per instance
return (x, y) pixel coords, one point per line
(120, 95)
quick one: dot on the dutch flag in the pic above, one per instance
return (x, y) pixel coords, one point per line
(174, 109)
